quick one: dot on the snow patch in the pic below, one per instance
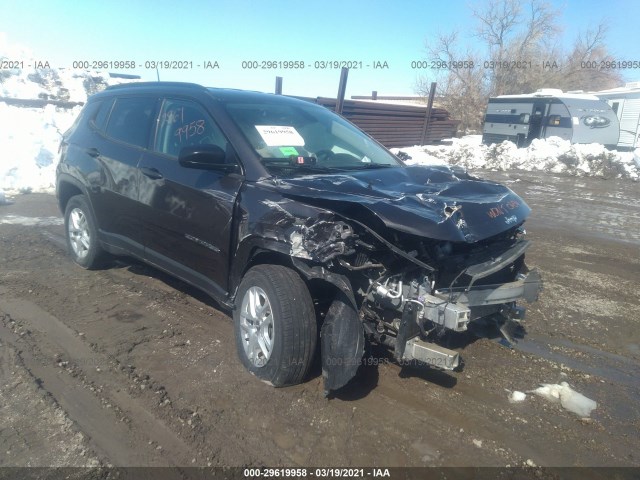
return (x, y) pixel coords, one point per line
(516, 396)
(31, 221)
(569, 399)
(551, 155)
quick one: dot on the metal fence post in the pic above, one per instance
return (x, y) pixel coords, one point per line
(342, 88)
(427, 118)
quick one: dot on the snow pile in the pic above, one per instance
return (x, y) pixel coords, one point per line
(53, 84)
(569, 399)
(29, 141)
(552, 155)
(45, 83)
(418, 156)
(30, 137)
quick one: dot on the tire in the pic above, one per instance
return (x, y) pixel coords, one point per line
(81, 232)
(280, 351)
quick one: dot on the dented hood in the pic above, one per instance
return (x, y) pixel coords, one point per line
(430, 202)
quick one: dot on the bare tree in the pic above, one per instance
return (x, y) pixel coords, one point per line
(461, 89)
(517, 52)
(589, 63)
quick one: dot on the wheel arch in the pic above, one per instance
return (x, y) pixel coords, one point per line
(278, 253)
(68, 187)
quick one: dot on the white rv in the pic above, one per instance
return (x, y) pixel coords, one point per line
(579, 118)
(625, 102)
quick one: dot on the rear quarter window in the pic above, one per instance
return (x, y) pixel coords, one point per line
(99, 120)
(87, 113)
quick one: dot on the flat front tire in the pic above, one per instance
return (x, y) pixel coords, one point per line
(275, 325)
(81, 233)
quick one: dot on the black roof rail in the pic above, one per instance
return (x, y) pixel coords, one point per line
(155, 84)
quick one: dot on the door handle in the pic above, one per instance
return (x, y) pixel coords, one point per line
(152, 173)
(93, 152)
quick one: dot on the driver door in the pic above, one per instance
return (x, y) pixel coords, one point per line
(187, 213)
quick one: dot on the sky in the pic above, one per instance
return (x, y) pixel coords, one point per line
(247, 43)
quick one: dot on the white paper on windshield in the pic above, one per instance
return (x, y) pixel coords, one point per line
(280, 136)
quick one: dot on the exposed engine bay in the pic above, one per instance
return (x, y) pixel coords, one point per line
(408, 298)
(408, 291)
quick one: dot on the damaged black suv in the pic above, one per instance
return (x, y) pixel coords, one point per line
(296, 220)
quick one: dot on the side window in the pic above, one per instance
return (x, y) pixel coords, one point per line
(183, 123)
(554, 120)
(87, 112)
(524, 118)
(130, 120)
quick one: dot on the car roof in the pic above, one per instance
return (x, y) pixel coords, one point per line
(222, 94)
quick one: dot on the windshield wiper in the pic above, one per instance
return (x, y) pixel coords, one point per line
(285, 163)
(313, 168)
(367, 166)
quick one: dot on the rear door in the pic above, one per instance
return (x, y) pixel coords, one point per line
(187, 213)
(123, 128)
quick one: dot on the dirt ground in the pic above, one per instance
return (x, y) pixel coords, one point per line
(127, 366)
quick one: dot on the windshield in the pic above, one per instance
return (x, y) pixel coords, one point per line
(301, 138)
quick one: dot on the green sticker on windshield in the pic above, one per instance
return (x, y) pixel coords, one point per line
(288, 151)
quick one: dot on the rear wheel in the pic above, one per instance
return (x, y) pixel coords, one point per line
(275, 325)
(82, 233)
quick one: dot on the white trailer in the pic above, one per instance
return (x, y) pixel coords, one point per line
(579, 118)
(625, 102)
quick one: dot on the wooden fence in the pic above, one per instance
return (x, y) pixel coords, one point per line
(396, 125)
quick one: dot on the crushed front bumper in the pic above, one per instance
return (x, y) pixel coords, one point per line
(527, 287)
(455, 308)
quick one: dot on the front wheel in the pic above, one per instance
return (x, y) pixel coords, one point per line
(275, 325)
(82, 233)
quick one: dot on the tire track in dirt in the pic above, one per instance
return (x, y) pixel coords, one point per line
(118, 441)
(35, 431)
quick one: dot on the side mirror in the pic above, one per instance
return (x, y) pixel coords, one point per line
(205, 157)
